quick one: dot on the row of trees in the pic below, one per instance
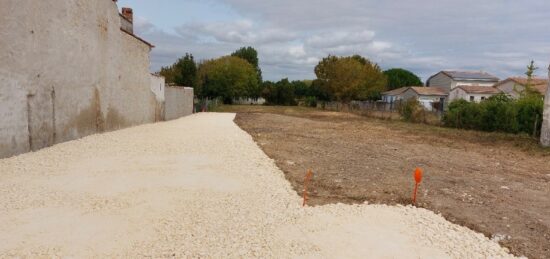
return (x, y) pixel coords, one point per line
(228, 77)
(239, 76)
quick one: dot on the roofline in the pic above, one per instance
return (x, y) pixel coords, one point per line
(461, 78)
(138, 38)
(405, 88)
(427, 94)
(466, 91)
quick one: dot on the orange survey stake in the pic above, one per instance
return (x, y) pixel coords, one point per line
(417, 179)
(308, 177)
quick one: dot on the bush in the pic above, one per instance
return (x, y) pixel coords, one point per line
(411, 110)
(498, 113)
(311, 101)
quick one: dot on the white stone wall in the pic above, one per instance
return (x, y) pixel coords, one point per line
(178, 102)
(67, 71)
(459, 93)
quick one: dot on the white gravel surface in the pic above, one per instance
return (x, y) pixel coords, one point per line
(197, 187)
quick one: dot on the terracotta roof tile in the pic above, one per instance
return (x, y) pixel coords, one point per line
(474, 89)
(431, 91)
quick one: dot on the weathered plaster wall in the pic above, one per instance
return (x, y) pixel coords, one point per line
(178, 102)
(67, 71)
(158, 86)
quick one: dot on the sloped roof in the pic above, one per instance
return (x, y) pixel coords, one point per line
(539, 84)
(467, 75)
(475, 89)
(471, 75)
(397, 91)
(440, 91)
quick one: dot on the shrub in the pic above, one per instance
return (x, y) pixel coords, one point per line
(411, 110)
(498, 113)
(311, 101)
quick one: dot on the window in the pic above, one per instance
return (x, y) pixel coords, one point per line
(472, 98)
(483, 98)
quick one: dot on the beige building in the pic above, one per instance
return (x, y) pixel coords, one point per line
(431, 98)
(451, 79)
(514, 86)
(70, 69)
(472, 93)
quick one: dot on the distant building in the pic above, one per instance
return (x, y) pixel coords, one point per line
(451, 79)
(472, 93)
(431, 98)
(514, 86)
(393, 95)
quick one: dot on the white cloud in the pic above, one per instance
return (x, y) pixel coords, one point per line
(291, 36)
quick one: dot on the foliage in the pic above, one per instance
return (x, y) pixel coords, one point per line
(311, 101)
(251, 55)
(350, 78)
(279, 93)
(529, 89)
(398, 77)
(182, 73)
(229, 78)
(498, 113)
(412, 111)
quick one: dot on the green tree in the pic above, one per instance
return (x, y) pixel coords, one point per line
(229, 78)
(280, 93)
(398, 77)
(182, 73)
(350, 78)
(529, 90)
(251, 55)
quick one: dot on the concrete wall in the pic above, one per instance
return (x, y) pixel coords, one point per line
(440, 80)
(512, 89)
(158, 87)
(67, 71)
(459, 93)
(178, 102)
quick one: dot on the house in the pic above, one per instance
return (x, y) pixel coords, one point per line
(472, 93)
(431, 98)
(514, 86)
(393, 95)
(452, 79)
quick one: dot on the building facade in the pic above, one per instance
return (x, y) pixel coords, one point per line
(515, 86)
(451, 79)
(70, 76)
(472, 93)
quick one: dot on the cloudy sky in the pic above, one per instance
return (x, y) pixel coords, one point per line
(424, 36)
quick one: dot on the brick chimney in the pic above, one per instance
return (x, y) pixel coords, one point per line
(128, 13)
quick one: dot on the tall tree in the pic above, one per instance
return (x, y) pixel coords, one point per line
(229, 78)
(398, 77)
(182, 73)
(251, 55)
(350, 78)
(529, 90)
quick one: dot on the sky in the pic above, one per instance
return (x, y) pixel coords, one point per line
(424, 36)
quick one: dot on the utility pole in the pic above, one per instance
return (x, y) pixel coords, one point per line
(545, 131)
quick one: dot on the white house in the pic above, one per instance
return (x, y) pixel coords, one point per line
(393, 95)
(472, 93)
(514, 86)
(431, 98)
(452, 79)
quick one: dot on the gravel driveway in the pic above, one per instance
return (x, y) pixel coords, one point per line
(197, 187)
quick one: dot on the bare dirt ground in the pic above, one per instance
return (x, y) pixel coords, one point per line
(198, 187)
(493, 183)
